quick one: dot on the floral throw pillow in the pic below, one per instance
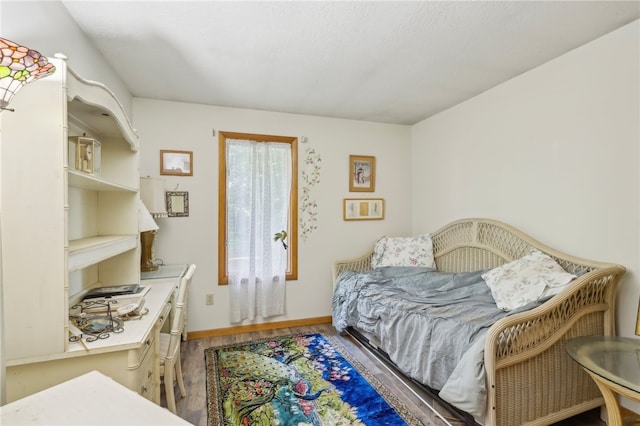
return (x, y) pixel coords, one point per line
(530, 278)
(403, 251)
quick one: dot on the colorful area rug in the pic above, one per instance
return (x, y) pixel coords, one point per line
(296, 380)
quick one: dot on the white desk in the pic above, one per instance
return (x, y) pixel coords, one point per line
(129, 357)
(135, 331)
(90, 399)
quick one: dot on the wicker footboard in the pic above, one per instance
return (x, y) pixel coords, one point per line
(530, 378)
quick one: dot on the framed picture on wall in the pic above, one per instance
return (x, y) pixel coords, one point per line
(362, 173)
(176, 163)
(177, 203)
(363, 209)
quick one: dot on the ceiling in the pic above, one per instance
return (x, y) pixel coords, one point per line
(392, 62)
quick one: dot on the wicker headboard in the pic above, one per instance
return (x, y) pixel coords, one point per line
(475, 244)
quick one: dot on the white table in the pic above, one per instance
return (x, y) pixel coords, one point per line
(90, 399)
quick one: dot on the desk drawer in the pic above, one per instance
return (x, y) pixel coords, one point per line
(137, 356)
(165, 315)
(146, 376)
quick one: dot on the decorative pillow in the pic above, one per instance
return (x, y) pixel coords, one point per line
(403, 251)
(530, 278)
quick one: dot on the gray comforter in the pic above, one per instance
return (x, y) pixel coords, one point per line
(431, 324)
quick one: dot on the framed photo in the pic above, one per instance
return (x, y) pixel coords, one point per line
(176, 163)
(362, 173)
(177, 203)
(363, 209)
(84, 155)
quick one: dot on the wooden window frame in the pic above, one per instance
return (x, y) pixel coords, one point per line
(292, 237)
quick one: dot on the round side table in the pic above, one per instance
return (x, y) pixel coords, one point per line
(614, 364)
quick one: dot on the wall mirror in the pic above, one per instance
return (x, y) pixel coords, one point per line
(177, 203)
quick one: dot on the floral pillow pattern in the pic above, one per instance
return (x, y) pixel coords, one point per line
(530, 278)
(403, 251)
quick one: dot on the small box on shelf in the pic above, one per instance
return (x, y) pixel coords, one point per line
(85, 154)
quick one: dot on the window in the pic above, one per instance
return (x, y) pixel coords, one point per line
(235, 163)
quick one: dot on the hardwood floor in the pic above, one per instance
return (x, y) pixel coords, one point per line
(193, 408)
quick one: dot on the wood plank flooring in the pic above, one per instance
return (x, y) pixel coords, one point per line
(193, 408)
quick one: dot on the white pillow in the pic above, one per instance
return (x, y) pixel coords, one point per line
(525, 280)
(403, 251)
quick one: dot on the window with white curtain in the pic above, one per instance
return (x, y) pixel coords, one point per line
(258, 198)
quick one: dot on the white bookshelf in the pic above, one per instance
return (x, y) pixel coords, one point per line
(64, 231)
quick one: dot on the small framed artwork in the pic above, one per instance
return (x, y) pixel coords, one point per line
(363, 209)
(177, 203)
(362, 173)
(84, 155)
(176, 163)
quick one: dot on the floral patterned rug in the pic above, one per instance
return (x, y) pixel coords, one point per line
(296, 380)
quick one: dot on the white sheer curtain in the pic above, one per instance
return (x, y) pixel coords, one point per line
(258, 193)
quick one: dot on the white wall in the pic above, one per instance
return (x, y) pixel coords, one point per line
(553, 152)
(171, 125)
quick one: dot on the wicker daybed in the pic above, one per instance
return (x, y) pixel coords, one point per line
(530, 379)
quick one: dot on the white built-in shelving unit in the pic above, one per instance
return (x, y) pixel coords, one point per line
(65, 231)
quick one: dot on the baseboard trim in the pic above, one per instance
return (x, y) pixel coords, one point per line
(257, 327)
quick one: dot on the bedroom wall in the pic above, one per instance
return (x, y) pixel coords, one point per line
(172, 125)
(553, 152)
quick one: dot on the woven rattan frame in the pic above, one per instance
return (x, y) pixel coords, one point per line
(530, 378)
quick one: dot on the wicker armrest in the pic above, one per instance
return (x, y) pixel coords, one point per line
(358, 264)
(541, 327)
(525, 353)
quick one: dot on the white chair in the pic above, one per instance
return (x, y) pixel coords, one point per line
(170, 362)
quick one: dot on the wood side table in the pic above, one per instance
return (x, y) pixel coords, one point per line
(614, 364)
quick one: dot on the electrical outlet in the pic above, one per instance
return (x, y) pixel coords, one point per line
(209, 299)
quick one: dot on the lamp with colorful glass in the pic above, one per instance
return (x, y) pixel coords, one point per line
(19, 65)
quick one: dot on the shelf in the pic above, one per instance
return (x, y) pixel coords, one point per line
(89, 251)
(82, 180)
(96, 106)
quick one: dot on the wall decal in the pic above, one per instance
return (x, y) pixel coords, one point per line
(308, 206)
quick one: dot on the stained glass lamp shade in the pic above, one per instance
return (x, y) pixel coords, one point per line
(19, 65)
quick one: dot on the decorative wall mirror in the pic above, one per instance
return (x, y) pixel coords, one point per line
(177, 203)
